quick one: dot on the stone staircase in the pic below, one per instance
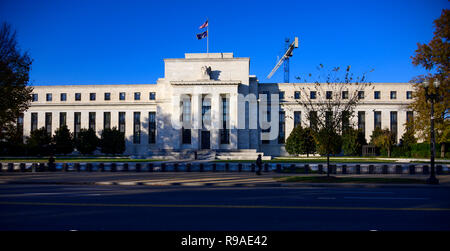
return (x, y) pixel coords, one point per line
(242, 154)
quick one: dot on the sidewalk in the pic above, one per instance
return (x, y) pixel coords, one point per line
(196, 179)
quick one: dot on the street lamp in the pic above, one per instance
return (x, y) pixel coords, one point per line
(432, 97)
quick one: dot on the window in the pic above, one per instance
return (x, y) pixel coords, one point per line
(137, 128)
(345, 120)
(225, 132)
(297, 118)
(122, 122)
(92, 96)
(362, 121)
(77, 124)
(137, 96)
(312, 95)
(48, 123)
(409, 116)
(328, 119)
(409, 95)
(186, 120)
(393, 95)
(20, 125)
(281, 128)
(77, 96)
(106, 120)
(107, 96)
(329, 94)
(34, 97)
(281, 95)
(34, 121)
(63, 96)
(376, 94)
(92, 120)
(394, 124)
(360, 94)
(344, 94)
(313, 120)
(152, 127)
(122, 96)
(62, 119)
(297, 95)
(48, 97)
(377, 119)
(152, 96)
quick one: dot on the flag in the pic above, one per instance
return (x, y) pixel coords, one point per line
(204, 25)
(202, 35)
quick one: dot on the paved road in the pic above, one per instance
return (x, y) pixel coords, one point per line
(86, 207)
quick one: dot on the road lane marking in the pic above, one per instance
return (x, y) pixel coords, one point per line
(384, 198)
(218, 206)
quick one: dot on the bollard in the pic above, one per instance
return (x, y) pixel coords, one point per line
(214, 166)
(292, 168)
(344, 169)
(34, 167)
(125, 167)
(398, 169)
(41, 167)
(227, 167)
(252, 166)
(320, 168)
(175, 167)
(266, 167)
(333, 169)
(101, 167)
(358, 169)
(385, 169)
(163, 167)
(371, 169)
(188, 167)
(425, 169)
(240, 167)
(22, 167)
(412, 169)
(113, 167)
(89, 167)
(439, 169)
(307, 168)
(201, 167)
(1, 167)
(150, 167)
(10, 167)
(138, 167)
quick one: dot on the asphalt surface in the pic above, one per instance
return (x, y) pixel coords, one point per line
(94, 207)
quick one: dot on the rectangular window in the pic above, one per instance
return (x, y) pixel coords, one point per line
(297, 118)
(48, 123)
(313, 120)
(48, 97)
(377, 119)
(328, 119)
(376, 95)
(312, 94)
(152, 96)
(225, 131)
(409, 95)
(329, 94)
(137, 128)
(281, 128)
(393, 95)
(62, 119)
(281, 95)
(137, 96)
(34, 121)
(186, 120)
(106, 120)
(92, 120)
(92, 96)
(345, 120)
(34, 97)
(360, 94)
(107, 96)
(122, 96)
(297, 95)
(344, 94)
(122, 122)
(394, 124)
(152, 127)
(63, 96)
(362, 121)
(77, 124)
(409, 116)
(77, 96)
(20, 125)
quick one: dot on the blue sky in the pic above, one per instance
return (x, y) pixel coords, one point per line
(125, 42)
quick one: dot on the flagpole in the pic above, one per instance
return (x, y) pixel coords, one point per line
(207, 38)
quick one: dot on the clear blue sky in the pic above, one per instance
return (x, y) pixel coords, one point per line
(125, 42)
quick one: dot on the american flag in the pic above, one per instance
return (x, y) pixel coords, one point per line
(204, 25)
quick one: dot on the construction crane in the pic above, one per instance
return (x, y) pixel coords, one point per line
(289, 50)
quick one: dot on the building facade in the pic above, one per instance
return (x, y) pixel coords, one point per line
(204, 102)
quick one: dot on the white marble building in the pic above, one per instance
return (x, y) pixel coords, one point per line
(199, 85)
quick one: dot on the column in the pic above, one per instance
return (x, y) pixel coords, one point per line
(215, 120)
(233, 115)
(196, 111)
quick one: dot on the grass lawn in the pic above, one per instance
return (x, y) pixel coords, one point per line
(332, 179)
(321, 160)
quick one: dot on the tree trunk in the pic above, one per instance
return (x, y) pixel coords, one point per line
(443, 150)
(328, 165)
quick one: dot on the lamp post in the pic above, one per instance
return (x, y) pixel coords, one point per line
(432, 97)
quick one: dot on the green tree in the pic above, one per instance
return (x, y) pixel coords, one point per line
(301, 141)
(328, 142)
(434, 57)
(63, 140)
(87, 141)
(385, 140)
(112, 141)
(39, 143)
(352, 142)
(14, 76)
